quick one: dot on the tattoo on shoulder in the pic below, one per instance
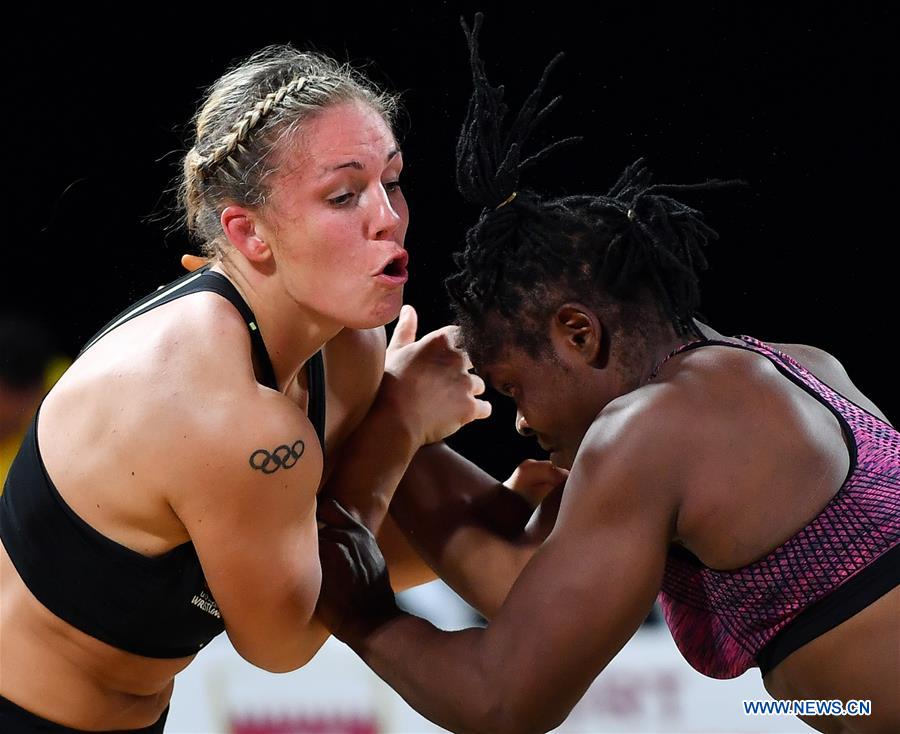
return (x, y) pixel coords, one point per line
(282, 457)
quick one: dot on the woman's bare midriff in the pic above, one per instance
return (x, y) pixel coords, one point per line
(62, 674)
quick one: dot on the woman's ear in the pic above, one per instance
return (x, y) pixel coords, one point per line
(577, 332)
(241, 227)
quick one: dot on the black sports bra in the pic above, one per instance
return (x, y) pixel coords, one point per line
(158, 607)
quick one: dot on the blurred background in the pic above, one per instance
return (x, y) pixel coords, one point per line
(791, 97)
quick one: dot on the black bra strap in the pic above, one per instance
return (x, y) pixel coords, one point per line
(316, 409)
(208, 280)
(315, 367)
(867, 586)
(218, 283)
(183, 286)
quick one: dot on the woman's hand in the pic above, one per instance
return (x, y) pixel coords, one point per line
(193, 262)
(356, 595)
(428, 383)
(533, 480)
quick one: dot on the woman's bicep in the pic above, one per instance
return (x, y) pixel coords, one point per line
(249, 509)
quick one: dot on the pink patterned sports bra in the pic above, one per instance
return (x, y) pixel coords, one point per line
(725, 622)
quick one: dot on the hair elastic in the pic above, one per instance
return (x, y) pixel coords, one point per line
(506, 201)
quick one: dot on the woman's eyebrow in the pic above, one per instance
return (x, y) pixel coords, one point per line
(359, 166)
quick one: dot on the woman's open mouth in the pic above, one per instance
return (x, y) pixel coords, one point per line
(394, 272)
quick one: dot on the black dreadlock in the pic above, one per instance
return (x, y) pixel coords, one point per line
(527, 253)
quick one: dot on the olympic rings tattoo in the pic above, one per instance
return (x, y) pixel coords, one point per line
(282, 457)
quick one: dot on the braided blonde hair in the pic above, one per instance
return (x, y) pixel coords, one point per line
(242, 122)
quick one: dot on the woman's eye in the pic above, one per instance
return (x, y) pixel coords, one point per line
(342, 199)
(507, 389)
(391, 186)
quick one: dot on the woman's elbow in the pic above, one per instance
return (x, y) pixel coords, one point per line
(503, 712)
(293, 648)
(511, 722)
(279, 657)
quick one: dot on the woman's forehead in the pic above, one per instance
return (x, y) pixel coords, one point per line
(343, 135)
(509, 359)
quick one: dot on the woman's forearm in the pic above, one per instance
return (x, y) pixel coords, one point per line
(466, 525)
(439, 674)
(443, 491)
(373, 460)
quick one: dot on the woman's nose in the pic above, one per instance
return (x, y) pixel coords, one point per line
(522, 425)
(385, 219)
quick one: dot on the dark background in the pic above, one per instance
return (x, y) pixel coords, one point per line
(791, 97)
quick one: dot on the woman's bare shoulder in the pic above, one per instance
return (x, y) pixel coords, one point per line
(826, 367)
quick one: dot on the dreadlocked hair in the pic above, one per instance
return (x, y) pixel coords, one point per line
(631, 254)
